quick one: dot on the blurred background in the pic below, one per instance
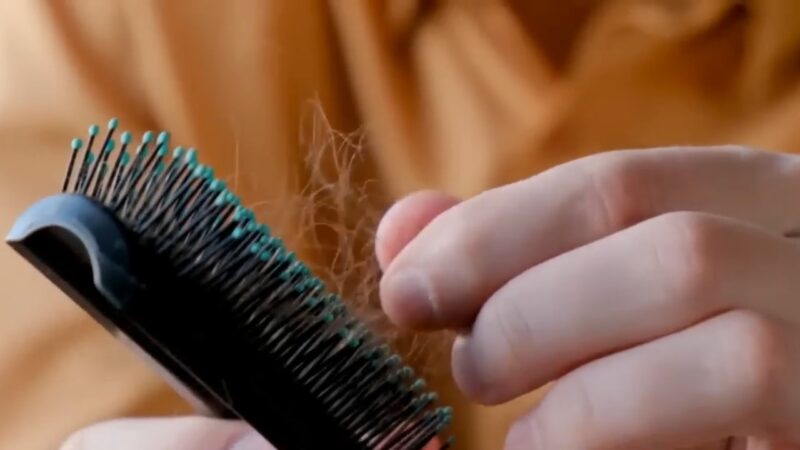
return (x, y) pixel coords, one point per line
(453, 95)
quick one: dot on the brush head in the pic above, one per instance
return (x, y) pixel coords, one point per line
(159, 250)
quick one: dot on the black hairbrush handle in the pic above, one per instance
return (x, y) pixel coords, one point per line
(84, 251)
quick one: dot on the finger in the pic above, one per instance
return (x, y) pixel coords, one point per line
(182, 433)
(732, 374)
(398, 227)
(637, 285)
(405, 219)
(469, 251)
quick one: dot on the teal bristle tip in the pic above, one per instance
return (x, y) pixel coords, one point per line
(199, 171)
(89, 158)
(147, 137)
(126, 138)
(162, 151)
(125, 158)
(369, 354)
(109, 146)
(178, 152)
(255, 248)
(94, 130)
(191, 155)
(418, 385)
(238, 213)
(163, 138)
(113, 124)
(264, 256)
(237, 233)
(77, 144)
(446, 415)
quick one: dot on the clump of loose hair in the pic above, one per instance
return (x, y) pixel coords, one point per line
(334, 219)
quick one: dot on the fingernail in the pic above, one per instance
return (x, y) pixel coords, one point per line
(408, 298)
(251, 441)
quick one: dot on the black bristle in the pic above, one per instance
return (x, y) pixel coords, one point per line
(87, 155)
(267, 302)
(105, 148)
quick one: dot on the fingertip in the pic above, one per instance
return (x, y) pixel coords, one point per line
(404, 221)
(408, 299)
(467, 373)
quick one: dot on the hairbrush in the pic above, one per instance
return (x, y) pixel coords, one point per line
(164, 255)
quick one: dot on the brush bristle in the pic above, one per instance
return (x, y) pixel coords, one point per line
(177, 208)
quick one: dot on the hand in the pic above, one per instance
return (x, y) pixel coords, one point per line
(182, 433)
(178, 433)
(656, 287)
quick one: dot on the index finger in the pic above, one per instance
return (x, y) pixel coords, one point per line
(465, 254)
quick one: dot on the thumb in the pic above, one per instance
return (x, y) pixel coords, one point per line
(180, 433)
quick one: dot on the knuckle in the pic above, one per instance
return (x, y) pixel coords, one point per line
(465, 235)
(620, 192)
(684, 247)
(461, 237)
(757, 357)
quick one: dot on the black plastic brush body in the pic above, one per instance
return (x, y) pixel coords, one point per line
(158, 250)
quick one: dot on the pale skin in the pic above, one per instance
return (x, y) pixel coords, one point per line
(658, 290)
